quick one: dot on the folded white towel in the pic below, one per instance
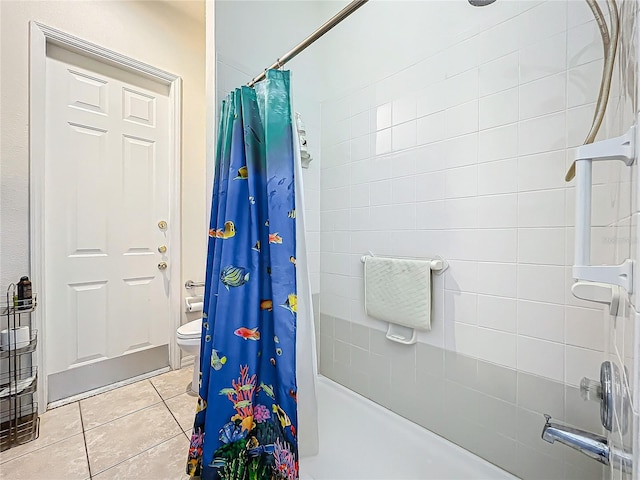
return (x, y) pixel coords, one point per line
(398, 291)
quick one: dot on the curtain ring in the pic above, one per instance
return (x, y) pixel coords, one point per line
(279, 64)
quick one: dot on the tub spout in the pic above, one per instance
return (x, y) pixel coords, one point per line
(592, 445)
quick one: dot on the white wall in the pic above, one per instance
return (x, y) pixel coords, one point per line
(250, 36)
(167, 35)
(453, 139)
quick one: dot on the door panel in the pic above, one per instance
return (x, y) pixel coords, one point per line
(106, 188)
(88, 212)
(139, 108)
(138, 193)
(88, 300)
(87, 92)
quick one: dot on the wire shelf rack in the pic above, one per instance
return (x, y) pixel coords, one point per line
(24, 428)
(19, 422)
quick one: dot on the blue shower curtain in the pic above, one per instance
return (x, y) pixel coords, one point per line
(246, 420)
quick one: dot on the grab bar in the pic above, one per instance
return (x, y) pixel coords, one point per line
(189, 284)
(619, 148)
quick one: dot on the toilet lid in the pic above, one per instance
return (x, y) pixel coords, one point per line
(191, 329)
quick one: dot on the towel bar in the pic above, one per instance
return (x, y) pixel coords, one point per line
(438, 264)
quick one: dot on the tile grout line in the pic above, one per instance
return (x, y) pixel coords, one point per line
(126, 414)
(162, 400)
(84, 438)
(167, 406)
(93, 474)
(170, 411)
(155, 403)
(138, 454)
(37, 449)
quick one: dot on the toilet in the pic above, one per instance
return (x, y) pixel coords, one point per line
(188, 339)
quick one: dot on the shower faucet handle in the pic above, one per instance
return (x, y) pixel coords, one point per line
(607, 391)
(590, 389)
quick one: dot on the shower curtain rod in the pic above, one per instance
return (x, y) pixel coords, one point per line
(328, 25)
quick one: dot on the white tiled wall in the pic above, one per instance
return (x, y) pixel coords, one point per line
(461, 152)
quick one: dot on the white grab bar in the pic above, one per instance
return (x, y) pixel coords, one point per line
(619, 148)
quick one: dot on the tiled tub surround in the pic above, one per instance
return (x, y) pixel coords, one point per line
(471, 167)
(461, 151)
(493, 411)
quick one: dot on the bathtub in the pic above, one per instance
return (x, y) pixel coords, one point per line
(362, 440)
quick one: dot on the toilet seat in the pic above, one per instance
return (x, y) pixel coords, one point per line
(190, 331)
(188, 339)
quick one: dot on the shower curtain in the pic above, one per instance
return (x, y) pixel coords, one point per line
(247, 415)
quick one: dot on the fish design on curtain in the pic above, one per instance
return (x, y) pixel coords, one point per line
(246, 419)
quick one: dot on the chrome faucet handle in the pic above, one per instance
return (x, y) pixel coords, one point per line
(590, 389)
(604, 392)
(547, 417)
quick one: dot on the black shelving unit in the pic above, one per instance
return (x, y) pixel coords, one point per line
(19, 422)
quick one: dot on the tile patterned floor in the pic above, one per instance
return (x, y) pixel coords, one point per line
(137, 431)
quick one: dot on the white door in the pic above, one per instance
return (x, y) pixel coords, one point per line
(107, 186)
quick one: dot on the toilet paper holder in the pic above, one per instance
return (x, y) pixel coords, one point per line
(194, 304)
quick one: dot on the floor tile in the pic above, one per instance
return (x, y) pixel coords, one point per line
(165, 461)
(66, 460)
(55, 425)
(173, 383)
(183, 408)
(116, 403)
(121, 439)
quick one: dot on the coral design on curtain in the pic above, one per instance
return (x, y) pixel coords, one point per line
(246, 420)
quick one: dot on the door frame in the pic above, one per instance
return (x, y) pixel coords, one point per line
(40, 36)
